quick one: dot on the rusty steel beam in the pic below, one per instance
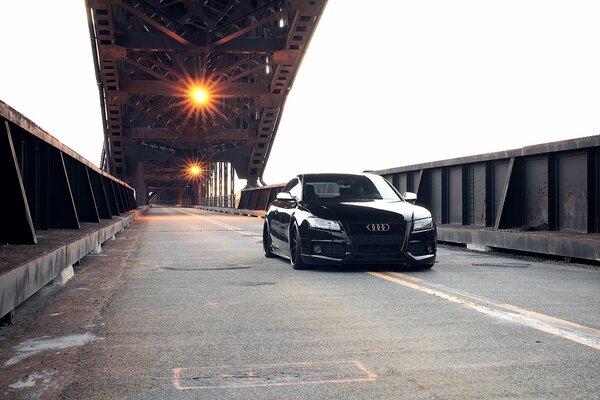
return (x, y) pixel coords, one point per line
(142, 14)
(147, 42)
(18, 228)
(228, 7)
(247, 29)
(81, 189)
(241, 64)
(151, 70)
(165, 134)
(156, 88)
(149, 55)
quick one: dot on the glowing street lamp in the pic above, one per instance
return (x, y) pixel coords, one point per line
(194, 170)
(199, 96)
(199, 99)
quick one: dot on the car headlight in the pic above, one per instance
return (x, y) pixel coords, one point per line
(326, 224)
(424, 223)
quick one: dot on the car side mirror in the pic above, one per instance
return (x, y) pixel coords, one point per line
(286, 196)
(410, 197)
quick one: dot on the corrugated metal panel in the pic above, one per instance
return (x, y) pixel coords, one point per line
(455, 195)
(536, 193)
(436, 195)
(499, 176)
(572, 192)
(402, 183)
(477, 198)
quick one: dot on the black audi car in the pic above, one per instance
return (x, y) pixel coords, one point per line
(339, 219)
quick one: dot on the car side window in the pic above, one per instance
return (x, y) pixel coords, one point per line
(296, 190)
(293, 187)
(290, 185)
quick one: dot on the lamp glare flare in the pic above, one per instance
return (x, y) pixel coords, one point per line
(194, 170)
(199, 95)
(199, 99)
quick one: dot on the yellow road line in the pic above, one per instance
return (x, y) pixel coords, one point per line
(565, 329)
(412, 278)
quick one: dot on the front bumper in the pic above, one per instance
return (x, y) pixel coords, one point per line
(337, 248)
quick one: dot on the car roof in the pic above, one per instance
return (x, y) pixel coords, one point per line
(311, 175)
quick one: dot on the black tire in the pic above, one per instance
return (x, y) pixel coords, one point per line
(267, 242)
(296, 248)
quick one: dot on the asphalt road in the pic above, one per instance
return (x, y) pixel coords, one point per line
(183, 305)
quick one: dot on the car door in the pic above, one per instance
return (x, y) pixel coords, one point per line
(288, 209)
(280, 215)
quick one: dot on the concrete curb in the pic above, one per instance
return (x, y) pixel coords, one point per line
(248, 213)
(20, 283)
(562, 244)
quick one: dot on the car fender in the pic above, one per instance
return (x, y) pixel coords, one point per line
(299, 217)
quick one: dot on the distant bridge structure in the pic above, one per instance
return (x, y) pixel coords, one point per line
(192, 91)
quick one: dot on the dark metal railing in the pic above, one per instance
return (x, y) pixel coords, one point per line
(497, 200)
(46, 185)
(547, 187)
(259, 198)
(218, 201)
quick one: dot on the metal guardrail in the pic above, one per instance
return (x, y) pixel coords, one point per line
(543, 198)
(213, 201)
(47, 185)
(58, 207)
(218, 201)
(548, 187)
(258, 198)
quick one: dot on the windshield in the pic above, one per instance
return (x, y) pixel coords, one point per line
(339, 187)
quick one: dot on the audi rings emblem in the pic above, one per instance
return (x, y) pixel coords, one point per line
(378, 227)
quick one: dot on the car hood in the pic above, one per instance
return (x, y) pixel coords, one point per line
(370, 210)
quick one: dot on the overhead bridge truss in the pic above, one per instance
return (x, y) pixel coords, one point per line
(151, 55)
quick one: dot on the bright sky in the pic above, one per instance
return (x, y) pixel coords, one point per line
(394, 83)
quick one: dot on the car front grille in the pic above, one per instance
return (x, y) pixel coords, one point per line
(377, 241)
(333, 250)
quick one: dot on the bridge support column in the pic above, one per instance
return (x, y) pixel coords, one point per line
(193, 190)
(232, 186)
(251, 183)
(139, 184)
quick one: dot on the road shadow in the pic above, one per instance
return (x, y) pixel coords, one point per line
(362, 268)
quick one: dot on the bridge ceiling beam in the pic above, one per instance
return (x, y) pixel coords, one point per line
(164, 134)
(156, 88)
(164, 155)
(148, 42)
(150, 114)
(149, 53)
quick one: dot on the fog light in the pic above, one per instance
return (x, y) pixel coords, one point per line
(317, 249)
(430, 249)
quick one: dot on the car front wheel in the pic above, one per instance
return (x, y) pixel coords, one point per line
(296, 249)
(267, 242)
